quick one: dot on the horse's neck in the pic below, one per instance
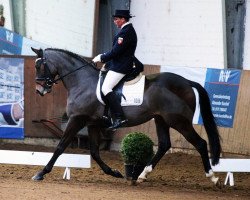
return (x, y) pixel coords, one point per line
(81, 77)
(76, 73)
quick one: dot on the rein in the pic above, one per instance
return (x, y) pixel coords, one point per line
(63, 76)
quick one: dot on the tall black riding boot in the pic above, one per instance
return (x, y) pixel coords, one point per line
(116, 110)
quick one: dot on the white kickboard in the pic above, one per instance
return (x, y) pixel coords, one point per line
(42, 158)
(232, 165)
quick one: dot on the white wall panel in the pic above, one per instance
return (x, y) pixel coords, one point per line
(62, 24)
(179, 32)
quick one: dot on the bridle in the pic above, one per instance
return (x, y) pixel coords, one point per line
(48, 79)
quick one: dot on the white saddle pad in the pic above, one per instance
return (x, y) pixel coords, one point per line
(133, 93)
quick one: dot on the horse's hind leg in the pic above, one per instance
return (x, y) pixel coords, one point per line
(74, 125)
(188, 131)
(164, 145)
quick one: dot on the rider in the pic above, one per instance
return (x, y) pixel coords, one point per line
(120, 63)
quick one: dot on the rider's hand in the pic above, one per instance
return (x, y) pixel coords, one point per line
(97, 58)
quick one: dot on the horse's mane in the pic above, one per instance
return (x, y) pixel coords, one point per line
(74, 55)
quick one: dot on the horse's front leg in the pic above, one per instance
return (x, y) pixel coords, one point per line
(74, 125)
(95, 139)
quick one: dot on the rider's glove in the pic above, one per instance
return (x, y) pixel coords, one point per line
(97, 58)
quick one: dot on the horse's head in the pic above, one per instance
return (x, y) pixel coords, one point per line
(44, 78)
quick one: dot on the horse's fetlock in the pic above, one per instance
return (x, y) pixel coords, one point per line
(210, 173)
(47, 170)
(108, 171)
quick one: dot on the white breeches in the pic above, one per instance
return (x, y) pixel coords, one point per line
(111, 80)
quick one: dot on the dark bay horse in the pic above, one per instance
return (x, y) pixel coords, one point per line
(168, 98)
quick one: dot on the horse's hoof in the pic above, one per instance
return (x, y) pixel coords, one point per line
(37, 177)
(133, 183)
(140, 180)
(117, 174)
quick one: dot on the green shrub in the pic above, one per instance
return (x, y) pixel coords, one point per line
(137, 149)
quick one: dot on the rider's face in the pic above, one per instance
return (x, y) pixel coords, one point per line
(119, 21)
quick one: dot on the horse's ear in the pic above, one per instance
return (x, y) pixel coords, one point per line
(39, 52)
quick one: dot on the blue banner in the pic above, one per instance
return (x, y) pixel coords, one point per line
(11, 133)
(10, 42)
(15, 44)
(222, 86)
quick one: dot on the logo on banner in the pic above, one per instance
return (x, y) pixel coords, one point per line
(224, 75)
(9, 36)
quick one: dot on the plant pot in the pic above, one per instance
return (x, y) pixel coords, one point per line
(133, 171)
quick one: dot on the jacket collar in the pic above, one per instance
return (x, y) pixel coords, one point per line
(125, 24)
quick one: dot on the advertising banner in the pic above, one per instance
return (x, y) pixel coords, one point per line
(11, 98)
(222, 86)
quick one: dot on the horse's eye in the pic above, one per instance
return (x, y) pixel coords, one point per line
(38, 64)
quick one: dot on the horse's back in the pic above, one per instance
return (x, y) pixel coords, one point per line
(173, 84)
(168, 79)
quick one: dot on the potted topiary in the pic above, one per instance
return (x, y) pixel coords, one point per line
(136, 151)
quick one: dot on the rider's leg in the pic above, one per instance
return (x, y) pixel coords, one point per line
(116, 109)
(111, 80)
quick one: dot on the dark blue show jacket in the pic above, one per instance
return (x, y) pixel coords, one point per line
(120, 58)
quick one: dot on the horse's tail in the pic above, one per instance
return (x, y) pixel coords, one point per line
(209, 122)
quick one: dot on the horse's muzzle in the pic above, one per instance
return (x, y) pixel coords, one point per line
(41, 90)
